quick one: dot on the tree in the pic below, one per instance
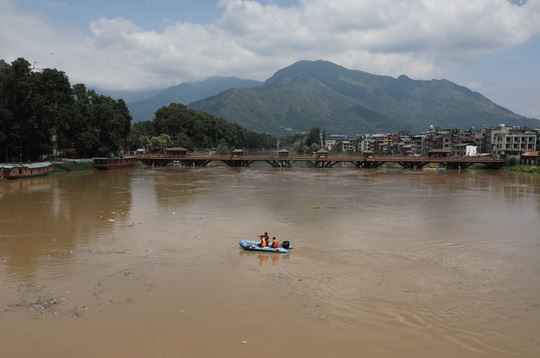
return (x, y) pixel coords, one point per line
(35, 106)
(160, 143)
(26, 109)
(314, 147)
(195, 129)
(313, 136)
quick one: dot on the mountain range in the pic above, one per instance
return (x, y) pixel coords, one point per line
(186, 93)
(322, 94)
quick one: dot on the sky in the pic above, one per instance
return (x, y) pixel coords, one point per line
(490, 46)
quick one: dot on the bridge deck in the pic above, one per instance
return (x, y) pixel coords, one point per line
(198, 159)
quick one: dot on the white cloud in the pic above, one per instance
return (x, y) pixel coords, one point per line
(421, 38)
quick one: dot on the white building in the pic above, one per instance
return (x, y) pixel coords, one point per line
(512, 141)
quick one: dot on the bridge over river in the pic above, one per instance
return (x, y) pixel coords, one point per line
(318, 160)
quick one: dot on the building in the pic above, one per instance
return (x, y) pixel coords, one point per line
(512, 141)
(346, 146)
(331, 141)
(416, 143)
(460, 149)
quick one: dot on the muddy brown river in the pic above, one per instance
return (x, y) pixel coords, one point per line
(386, 263)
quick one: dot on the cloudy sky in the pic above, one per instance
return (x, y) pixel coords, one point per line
(492, 46)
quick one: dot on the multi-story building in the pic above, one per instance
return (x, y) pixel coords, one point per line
(388, 144)
(416, 143)
(370, 142)
(460, 149)
(331, 142)
(346, 146)
(512, 141)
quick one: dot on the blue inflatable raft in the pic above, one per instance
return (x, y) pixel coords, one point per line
(251, 245)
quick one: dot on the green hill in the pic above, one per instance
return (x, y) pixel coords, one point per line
(186, 93)
(323, 94)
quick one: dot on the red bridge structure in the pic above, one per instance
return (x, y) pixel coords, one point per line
(321, 159)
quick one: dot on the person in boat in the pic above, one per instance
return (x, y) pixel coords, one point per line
(264, 240)
(275, 243)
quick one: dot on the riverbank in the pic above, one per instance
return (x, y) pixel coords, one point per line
(530, 169)
(71, 166)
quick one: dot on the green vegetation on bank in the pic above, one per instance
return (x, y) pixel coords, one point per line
(530, 169)
(39, 108)
(66, 167)
(179, 126)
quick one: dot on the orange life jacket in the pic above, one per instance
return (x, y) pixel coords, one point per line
(275, 244)
(263, 242)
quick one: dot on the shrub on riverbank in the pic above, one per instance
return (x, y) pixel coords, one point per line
(64, 167)
(531, 169)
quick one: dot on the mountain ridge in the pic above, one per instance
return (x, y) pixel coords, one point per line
(321, 93)
(186, 93)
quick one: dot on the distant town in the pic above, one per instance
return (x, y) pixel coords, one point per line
(516, 144)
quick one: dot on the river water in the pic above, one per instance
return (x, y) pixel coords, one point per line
(387, 263)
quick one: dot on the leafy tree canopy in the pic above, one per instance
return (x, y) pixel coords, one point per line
(197, 130)
(41, 108)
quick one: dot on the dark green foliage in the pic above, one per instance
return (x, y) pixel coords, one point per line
(321, 94)
(37, 108)
(313, 136)
(304, 143)
(530, 169)
(197, 130)
(71, 167)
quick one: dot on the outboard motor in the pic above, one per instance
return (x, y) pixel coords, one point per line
(285, 244)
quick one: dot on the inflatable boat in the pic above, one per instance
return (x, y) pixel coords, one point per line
(252, 245)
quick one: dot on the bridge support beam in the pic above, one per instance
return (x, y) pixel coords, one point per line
(238, 163)
(324, 163)
(280, 163)
(194, 163)
(372, 165)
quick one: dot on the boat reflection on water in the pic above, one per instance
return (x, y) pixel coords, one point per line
(25, 184)
(265, 258)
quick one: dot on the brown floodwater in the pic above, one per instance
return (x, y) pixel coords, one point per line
(387, 263)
